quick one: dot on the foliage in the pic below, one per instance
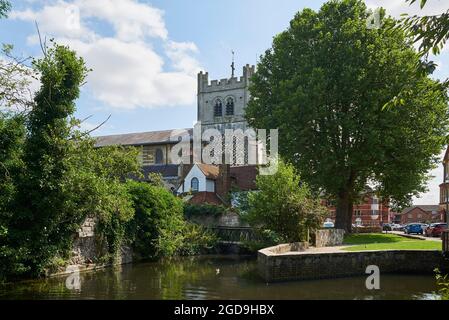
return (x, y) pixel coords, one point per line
(443, 284)
(196, 240)
(156, 229)
(200, 210)
(5, 6)
(431, 31)
(285, 205)
(262, 239)
(57, 176)
(324, 83)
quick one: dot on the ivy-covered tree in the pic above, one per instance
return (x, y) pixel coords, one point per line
(324, 84)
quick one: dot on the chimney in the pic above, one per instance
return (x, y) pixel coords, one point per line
(224, 182)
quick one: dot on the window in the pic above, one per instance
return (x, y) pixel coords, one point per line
(194, 185)
(147, 155)
(230, 107)
(218, 108)
(357, 213)
(159, 156)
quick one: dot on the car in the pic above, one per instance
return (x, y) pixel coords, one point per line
(428, 231)
(328, 225)
(436, 229)
(415, 228)
(400, 227)
(387, 227)
(425, 226)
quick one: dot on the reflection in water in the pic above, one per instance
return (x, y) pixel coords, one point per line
(210, 277)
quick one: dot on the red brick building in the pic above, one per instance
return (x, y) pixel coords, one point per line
(420, 214)
(371, 211)
(444, 188)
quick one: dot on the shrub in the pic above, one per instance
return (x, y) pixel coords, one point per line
(199, 210)
(285, 205)
(196, 240)
(158, 225)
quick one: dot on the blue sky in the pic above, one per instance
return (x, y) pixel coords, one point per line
(145, 54)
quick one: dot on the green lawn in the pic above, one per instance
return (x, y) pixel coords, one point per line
(378, 241)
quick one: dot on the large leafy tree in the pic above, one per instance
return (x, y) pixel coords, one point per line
(324, 84)
(431, 32)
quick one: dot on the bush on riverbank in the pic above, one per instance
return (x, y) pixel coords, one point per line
(285, 206)
(158, 228)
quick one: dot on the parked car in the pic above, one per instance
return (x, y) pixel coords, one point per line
(436, 229)
(328, 225)
(424, 226)
(395, 226)
(428, 231)
(401, 227)
(387, 227)
(414, 228)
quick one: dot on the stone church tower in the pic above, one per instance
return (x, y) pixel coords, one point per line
(222, 103)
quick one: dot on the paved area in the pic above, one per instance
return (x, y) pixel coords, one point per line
(414, 236)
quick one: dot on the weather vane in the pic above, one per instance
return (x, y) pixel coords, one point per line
(233, 64)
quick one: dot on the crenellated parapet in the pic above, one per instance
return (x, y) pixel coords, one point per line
(205, 86)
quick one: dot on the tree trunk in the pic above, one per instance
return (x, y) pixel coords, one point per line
(343, 219)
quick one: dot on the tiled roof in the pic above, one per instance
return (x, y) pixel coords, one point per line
(205, 197)
(209, 170)
(142, 138)
(425, 207)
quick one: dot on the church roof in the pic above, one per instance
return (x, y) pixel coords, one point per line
(136, 139)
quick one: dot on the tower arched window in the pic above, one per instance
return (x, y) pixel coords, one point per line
(159, 156)
(194, 185)
(218, 108)
(230, 107)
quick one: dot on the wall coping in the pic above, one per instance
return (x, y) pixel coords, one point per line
(271, 251)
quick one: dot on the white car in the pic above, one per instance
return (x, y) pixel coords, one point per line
(328, 225)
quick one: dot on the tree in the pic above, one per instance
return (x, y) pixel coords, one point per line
(284, 204)
(431, 31)
(324, 84)
(5, 6)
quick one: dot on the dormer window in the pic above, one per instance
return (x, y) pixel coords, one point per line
(218, 108)
(230, 107)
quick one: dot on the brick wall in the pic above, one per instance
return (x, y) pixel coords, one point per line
(307, 266)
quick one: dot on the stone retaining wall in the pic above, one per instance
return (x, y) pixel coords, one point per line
(274, 267)
(329, 237)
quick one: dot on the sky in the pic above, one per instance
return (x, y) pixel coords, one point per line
(145, 55)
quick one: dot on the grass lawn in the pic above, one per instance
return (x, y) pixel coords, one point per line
(378, 241)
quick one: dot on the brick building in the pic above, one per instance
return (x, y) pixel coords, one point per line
(444, 188)
(370, 211)
(420, 214)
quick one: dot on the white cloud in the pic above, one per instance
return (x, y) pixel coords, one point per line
(127, 71)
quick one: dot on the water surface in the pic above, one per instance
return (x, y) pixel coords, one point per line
(210, 277)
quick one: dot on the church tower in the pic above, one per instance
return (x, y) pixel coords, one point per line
(222, 103)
